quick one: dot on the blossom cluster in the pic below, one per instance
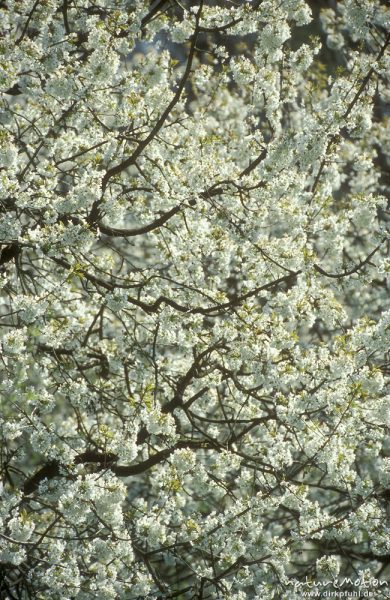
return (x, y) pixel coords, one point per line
(194, 297)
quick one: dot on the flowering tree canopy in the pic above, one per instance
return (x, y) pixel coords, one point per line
(195, 315)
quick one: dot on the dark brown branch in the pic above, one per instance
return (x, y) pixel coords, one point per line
(254, 163)
(218, 309)
(220, 28)
(181, 387)
(104, 461)
(142, 145)
(366, 79)
(355, 269)
(64, 10)
(156, 7)
(349, 110)
(35, 5)
(114, 232)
